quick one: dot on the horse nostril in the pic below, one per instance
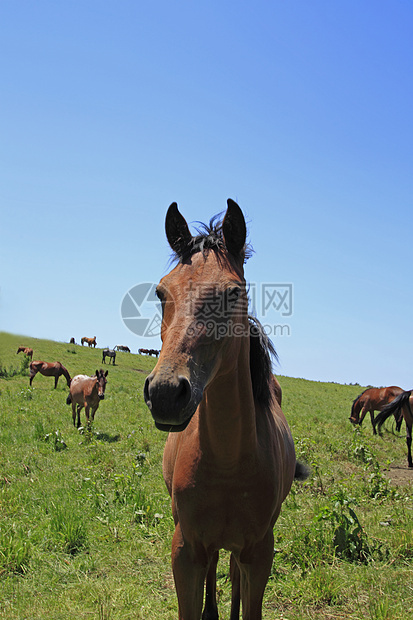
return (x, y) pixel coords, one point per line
(146, 391)
(183, 393)
(166, 399)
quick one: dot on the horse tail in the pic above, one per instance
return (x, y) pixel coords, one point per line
(302, 471)
(392, 408)
(69, 399)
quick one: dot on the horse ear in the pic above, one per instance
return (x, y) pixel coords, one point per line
(234, 229)
(177, 231)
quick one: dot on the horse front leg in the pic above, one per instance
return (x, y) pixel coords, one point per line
(189, 575)
(372, 421)
(363, 412)
(211, 609)
(94, 409)
(254, 575)
(87, 409)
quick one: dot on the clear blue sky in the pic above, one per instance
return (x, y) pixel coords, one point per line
(300, 111)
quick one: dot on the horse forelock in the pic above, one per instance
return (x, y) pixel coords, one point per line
(209, 237)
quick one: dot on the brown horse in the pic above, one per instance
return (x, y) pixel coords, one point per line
(229, 459)
(401, 405)
(91, 342)
(26, 350)
(371, 400)
(86, 392)
(49, 369)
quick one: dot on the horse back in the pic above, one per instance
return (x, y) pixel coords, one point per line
(81, 387)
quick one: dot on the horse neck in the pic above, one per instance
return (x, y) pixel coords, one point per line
(227, 417)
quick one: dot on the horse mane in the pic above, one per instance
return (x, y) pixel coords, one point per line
(208, 237)
(261, 351)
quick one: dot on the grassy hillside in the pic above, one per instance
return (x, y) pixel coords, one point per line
(85, 523)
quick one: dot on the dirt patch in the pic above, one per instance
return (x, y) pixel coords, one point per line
(400, 474)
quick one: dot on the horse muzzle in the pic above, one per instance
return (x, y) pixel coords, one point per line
(101, 396)
(172, 403)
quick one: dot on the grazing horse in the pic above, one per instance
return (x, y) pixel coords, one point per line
(86, 392)
(110, 354)
(49, 369)
(72, 341)
(371, 400)
(90, 341)
(401, 405)
(26, 350)
(121, 347)
(143, 351)
(229, 458)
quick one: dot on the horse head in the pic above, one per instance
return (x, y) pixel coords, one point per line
(101, 383)
(204, 302)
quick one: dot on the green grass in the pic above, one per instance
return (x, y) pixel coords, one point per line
(85, 520)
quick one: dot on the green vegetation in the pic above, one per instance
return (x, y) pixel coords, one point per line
(85, 520)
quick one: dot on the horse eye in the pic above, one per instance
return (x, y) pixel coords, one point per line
(233, 294)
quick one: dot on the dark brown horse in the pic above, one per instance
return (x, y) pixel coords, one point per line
(49, 369)
(229, 459)
(401, 405)
(26, 350)
(110, 354)
(91, 342)
(86, 392)
(371, 400)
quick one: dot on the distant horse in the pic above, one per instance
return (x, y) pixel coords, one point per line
(86, 392)
(49, 369)
(90, 341)
(229, 459)
(121, 347)
(26, 350)
(371, 400)
(148, 352)
(401, 405)
(72, 341)
(110, 354)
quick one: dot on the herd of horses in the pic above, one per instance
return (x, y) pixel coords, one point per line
(84, 391)
(91, 342)
(154, 352)
(229, 460)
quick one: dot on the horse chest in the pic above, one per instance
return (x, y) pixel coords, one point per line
(226, 511)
